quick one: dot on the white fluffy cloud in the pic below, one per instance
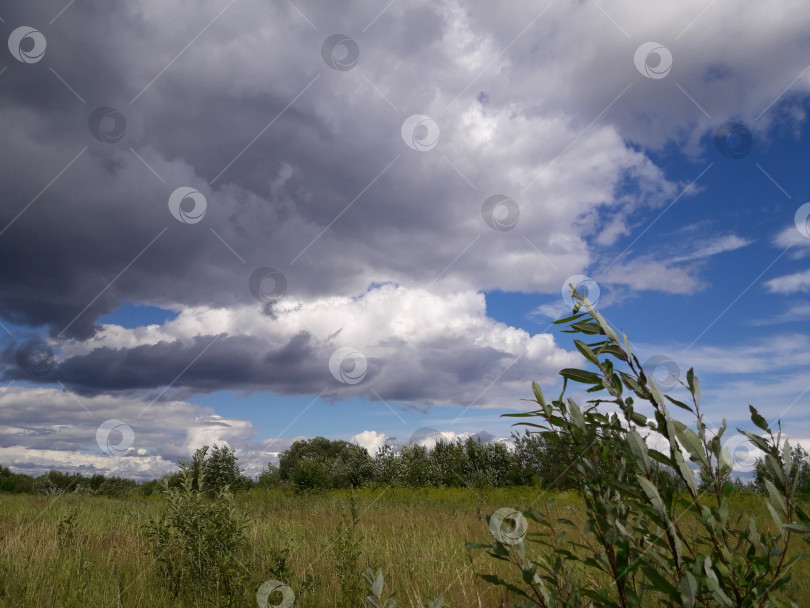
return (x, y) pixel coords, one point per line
(797, 282)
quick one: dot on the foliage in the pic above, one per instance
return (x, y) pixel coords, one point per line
(219, 468)
(269, 477)
(376, 581)
(320, 463)
(645, 543)
(347, 548)
(15, 482)
(66, 530)
(801, 462)
(199, 542)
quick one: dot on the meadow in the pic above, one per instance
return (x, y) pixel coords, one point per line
(92, 551)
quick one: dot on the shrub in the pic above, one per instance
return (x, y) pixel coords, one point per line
(200, 542)
(15, 482)
(645, 543)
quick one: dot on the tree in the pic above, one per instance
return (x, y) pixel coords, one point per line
(323, 463)
(269, 477)
(219, 468)
(389, 467)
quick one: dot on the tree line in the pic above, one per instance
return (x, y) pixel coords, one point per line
(324, 464)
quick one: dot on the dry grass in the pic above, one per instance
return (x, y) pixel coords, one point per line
(416, 536)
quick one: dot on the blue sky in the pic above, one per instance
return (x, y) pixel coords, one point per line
(243, 226)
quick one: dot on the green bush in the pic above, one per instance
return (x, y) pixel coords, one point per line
(200, 543)
(320, 463)
(15, 482)
(651, 537)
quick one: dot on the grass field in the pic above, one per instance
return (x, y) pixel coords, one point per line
(86, 551)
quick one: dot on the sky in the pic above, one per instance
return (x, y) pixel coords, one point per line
(247, 223)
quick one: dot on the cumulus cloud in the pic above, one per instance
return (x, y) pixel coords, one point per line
(417, 347)
(371, 440)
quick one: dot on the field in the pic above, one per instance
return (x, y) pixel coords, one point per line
(87, 551)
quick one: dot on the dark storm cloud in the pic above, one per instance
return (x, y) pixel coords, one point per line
(252, 117)
(219, 362)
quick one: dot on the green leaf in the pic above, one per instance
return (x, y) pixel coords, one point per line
(586, 327)
(658, 582)
(639, 448)
(714, 584)
(777, 500)
(655, 393)
(758, 420)
(586, 352)
(538, 394)
(569, 319)
(581, 375)
(686, 473)
(693, 445)
(606, 329)
(576, 414)
(652, 494)
(680, 404)
(688, 587)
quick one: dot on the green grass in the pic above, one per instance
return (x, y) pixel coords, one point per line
(416, 536)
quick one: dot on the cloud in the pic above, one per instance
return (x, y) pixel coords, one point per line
(714, 246)
(418, 348)
(790, 237)
(44, 428)
(306, 170)
(371, 440)
(798, 282)
(653, 275)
